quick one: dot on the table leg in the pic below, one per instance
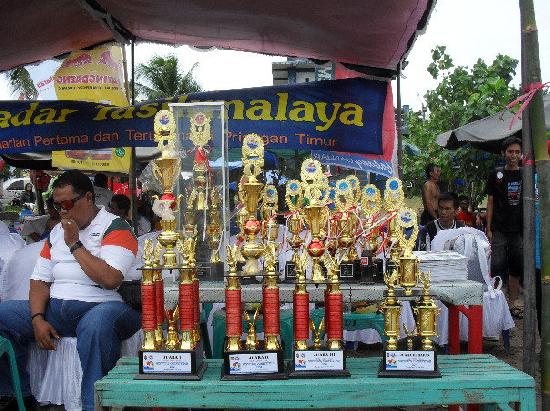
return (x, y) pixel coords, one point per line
(454, 330)
(527, 400)
(475, 328)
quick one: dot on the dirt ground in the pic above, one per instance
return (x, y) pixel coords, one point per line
(514, 357)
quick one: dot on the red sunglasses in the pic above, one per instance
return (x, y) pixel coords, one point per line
(67, 204)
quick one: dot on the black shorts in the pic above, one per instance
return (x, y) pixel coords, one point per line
(507, 254)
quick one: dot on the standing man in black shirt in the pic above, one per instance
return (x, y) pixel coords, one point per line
(505, 221)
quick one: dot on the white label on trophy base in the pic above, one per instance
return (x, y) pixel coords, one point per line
(166, 363)
(318, 360)
(410, 360)
(261, 363)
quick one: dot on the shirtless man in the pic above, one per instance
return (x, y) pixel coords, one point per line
(430, 194)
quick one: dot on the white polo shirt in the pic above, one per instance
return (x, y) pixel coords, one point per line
(108, 237)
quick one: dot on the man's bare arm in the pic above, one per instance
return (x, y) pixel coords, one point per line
(39, 295)
(97, 269)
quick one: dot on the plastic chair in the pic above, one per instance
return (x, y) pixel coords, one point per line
(6, 348)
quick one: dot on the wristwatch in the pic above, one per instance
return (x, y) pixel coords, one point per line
(76, 246)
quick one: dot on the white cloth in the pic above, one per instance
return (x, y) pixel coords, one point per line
(34, 224)
(19, 271)
(56, 376)
(496, 314)
(108, 237)
(102, 196)
(10, 243)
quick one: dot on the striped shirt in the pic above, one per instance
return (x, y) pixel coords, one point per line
(108, 237)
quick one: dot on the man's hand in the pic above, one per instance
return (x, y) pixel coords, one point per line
(70, 231)
(43, 333)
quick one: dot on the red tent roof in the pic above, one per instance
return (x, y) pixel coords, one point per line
(369, 33)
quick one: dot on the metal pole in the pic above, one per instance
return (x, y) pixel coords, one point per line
(399, 121)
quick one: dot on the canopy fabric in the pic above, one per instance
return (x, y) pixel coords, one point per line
(487, 133)
(367, 33)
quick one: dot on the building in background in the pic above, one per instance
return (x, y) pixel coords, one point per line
(298, 70)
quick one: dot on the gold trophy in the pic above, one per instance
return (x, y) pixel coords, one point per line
(172, 338)
(391, 309)
(316, 332)
(295, 224)
(253, 160)
(167, 170)
(200, 136)
(408, 263)
(393, 201)
(427, 312)
(316, 194)
(270, 200)
(251, 342)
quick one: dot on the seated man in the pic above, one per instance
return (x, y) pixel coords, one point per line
(447, 208)
(73, 288)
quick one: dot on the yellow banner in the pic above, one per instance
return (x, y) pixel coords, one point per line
(97, 76)
(108, 159)
(92, 75)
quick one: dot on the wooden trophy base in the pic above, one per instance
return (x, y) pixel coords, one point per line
(172, 365)
(254, 365)
(318, 364)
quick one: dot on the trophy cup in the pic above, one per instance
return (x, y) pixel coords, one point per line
(408, 263)
(258, 359)
(295, 224)
(393, 201)
(251, 188)
(410, 362)
(171, 358)
(346, 223)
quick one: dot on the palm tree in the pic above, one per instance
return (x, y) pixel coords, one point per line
(160, 78)
(21, 83)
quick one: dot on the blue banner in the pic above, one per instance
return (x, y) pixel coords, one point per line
(340, 115)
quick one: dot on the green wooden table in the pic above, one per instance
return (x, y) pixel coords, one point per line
(466, 379)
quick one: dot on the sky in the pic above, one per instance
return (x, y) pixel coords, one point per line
(470, 29)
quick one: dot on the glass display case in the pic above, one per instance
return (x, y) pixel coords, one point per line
(204, 206)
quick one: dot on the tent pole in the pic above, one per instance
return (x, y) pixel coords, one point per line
(132, 170)
(399, 120)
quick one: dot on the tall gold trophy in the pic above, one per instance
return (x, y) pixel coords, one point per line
(322, 359)
(256, 359)
(295, 224)
(413, 360)
(346, 226)
(316, 194)
(171, 357)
